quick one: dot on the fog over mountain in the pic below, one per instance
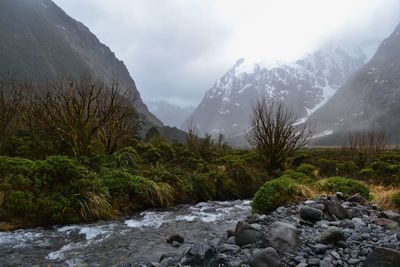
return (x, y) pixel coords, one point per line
(177, 49)
(170, 114)
(303, 86)
(370, 99)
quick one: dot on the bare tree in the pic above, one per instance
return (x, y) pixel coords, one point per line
(368, 142)
(274, 134)
(11, 101)
(81, 114)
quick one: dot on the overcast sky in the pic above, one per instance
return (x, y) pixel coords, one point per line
(176, 49)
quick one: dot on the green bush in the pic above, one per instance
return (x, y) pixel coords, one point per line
(344, 185)
(46, 191)
(368, 173)
(276, 193)
(327, 167)
(347, 168)
(19, 202)
(396, 200)
(131, 192)
(299, 177)
(152, 155)
(307, 169)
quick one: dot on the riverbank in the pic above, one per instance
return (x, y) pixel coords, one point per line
(324, 231)
(128, 241)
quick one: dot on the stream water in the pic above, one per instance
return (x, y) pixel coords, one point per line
(141, 238)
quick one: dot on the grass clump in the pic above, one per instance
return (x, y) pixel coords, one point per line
(396, 200)
(276, 193)
(307, 169)
(344, 185)
(299, 177)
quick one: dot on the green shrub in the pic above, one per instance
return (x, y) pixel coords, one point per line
(276, 193)
(344, 185)
(130, 192)
(299, 177)
(152, 155)
(127, 158)
(19, 202)
(46, 191)
(327, 167)
(396, 200)
(368, 173)
(307, 169)
(347, 168)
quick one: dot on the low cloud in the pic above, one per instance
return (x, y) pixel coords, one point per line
(176, 49)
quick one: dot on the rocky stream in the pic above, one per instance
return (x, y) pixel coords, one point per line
(326, 231)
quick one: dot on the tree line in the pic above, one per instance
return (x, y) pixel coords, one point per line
(75, 117)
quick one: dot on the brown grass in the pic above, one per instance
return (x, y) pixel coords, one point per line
(382, 196)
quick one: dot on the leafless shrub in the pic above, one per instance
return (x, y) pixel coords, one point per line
(11, 101)
(274, 134)
(81, 115)
(368, 142)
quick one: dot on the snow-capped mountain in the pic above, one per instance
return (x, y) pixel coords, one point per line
(304, 86)
(370, 98)
(169, 114)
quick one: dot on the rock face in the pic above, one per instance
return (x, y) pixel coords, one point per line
(288, 241)
(304, 86)
(40, 42)
(369, 99)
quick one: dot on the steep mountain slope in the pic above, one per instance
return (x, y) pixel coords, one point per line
(168, 113)
(39, 41)
(371, 98)
(304, 86)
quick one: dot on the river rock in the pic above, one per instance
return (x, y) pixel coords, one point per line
(332, 235)
(346, 223)
(267, 257)
(336, 209)
(391, 215)
(201, 255)
(228, 248)
(282, 236)
(310, 214)
(245, 234)
(383, 257)
(357, 198)
(175, 238)
(386, 223)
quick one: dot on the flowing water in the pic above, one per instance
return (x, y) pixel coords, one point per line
(140, 238)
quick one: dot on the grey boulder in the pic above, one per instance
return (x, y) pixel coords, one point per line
(267, 257)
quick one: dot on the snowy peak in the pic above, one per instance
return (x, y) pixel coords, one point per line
(304, 85)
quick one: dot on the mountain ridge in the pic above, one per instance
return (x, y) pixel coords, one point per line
(304, 85)
(43, 43)
(368, 100)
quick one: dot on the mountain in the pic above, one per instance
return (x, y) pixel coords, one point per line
(168, 113)
(39, 41)
(371, 98)
(304, 86)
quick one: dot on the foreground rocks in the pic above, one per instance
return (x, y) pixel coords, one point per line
(326, 231)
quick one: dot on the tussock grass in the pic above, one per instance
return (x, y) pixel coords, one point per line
(153, 192)
(95, 206)
(383, 196)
